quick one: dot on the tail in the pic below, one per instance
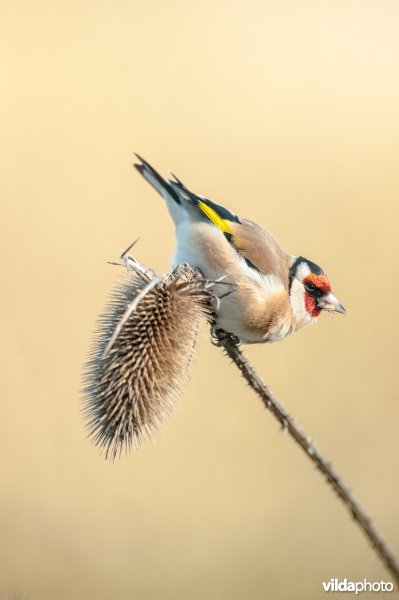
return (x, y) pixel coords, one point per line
(182, 203)
(162, 186)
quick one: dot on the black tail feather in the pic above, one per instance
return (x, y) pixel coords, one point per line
(179, 185)
(149, 173)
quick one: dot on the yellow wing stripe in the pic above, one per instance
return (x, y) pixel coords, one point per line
(212, 215)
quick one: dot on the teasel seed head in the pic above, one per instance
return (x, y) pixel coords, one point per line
(141, 355)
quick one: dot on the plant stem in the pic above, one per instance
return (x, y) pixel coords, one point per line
(305, 442)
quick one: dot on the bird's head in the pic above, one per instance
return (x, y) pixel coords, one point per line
(310, 291)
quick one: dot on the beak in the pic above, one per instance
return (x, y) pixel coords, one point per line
(330, 303)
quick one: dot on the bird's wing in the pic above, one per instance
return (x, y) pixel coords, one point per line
(251, 241)
(256, 245)
(260, 249)
(206, 209)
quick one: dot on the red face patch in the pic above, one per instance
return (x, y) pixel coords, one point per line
(310, 305)
(320, 281)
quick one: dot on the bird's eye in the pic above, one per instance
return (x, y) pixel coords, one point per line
(310, 287)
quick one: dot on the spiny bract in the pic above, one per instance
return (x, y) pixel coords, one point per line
(133, 378)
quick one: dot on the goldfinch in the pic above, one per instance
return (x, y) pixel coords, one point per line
(273, 293)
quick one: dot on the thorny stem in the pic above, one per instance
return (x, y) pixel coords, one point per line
(305, 442)
(230, 345)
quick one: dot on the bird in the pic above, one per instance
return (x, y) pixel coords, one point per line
(272, 293)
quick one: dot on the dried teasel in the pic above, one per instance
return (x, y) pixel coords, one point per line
(142, 353)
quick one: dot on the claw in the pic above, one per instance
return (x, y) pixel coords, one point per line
(220, 337)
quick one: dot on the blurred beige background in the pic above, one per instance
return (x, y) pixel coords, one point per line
(287, 112)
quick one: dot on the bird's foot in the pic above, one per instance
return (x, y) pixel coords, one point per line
(220, 337)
